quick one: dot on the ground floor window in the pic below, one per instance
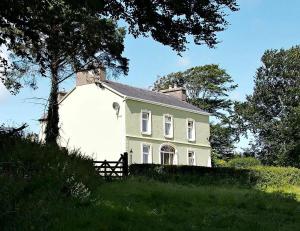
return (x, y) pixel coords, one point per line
(167, 155)
(146, 155)
(191, 158)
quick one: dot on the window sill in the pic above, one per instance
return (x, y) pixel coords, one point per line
(146, 133)
(168, 137)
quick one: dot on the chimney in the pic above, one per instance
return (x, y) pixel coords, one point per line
(177, 92)
(60, 95)
(88, 77)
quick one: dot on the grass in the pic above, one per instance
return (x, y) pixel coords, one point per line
(139, 204)
(51, 189)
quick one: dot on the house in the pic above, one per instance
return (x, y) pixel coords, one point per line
(103, 119)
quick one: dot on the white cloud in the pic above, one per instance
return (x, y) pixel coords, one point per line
(183, 61)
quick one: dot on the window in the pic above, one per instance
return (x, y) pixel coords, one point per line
(167, 155)
(146, 154)
(191, 158)
(146, 122)
(191, 130)
(168, 126)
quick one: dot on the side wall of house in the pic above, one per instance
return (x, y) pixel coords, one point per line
(89, 122)
(135, 139)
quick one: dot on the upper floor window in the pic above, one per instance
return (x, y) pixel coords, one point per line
(168, 126)
(146, 122)
(191, 158)
(146, 153)
(191, 130)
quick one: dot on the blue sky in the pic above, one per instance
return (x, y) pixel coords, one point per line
(259, 25)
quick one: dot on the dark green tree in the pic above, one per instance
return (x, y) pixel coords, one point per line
(208, 88)
(70, 40)
(272, 112)
(55, 36)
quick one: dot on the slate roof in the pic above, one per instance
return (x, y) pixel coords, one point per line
(152, 96)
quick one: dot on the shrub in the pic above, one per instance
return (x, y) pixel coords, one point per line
(39, 180)
(243, 162)
(275, 176)
(220, 163)
(260, 176)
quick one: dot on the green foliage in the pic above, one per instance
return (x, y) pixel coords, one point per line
(272, 112)
(222, 140)
(243, 162)
(143, 204)
(167, 22)
(208, 88)
(57, 38)
(60, 191)
(275, 176)
(220, 163)
(260, 176)
(38, 180)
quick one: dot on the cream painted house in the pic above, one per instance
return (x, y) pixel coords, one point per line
(103, 119)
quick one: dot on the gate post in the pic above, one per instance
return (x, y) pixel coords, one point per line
(105, 174)
(125, 164)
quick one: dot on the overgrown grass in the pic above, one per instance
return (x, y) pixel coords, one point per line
(59, 191)
(140, 204)
(39, 181)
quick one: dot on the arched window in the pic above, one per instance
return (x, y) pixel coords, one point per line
(167, 155)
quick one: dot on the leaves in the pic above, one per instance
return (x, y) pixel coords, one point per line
(208, 88)
(272, 113)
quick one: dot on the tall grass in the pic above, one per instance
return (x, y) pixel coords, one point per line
(38, 180)
(143, 204)
(51, 189)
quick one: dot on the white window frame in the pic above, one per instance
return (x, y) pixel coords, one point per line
(149, 155)
(149, 122)
(193, 131)
(175, 157)
(187, 154)
(172, 126)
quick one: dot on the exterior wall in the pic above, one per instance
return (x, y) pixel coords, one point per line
(134, 137)
(89, 123)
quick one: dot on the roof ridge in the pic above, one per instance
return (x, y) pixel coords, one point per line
(155, 92)
(153, 96)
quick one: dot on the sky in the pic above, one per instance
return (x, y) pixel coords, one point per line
(258, 25)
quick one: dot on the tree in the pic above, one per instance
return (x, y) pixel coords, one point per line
(83, 35)
(76, 40)
(208, 88)
(272, 112)
(168, 22)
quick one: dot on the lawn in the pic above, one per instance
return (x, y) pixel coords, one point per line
(51, 189)
(141, 204)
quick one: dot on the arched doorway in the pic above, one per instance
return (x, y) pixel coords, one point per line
(167, 155)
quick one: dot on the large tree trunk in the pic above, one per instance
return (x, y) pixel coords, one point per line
(52, 130)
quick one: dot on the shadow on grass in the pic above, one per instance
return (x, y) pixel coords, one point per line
(143, 204)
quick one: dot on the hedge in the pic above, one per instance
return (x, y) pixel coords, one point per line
(243, 162)
(260, 176)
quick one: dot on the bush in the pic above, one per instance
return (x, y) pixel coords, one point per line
(259, 176)
(37, 180)
(275, 176)
(243, 162)
(220, 163)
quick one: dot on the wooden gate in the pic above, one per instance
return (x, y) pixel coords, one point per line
(113, 169)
